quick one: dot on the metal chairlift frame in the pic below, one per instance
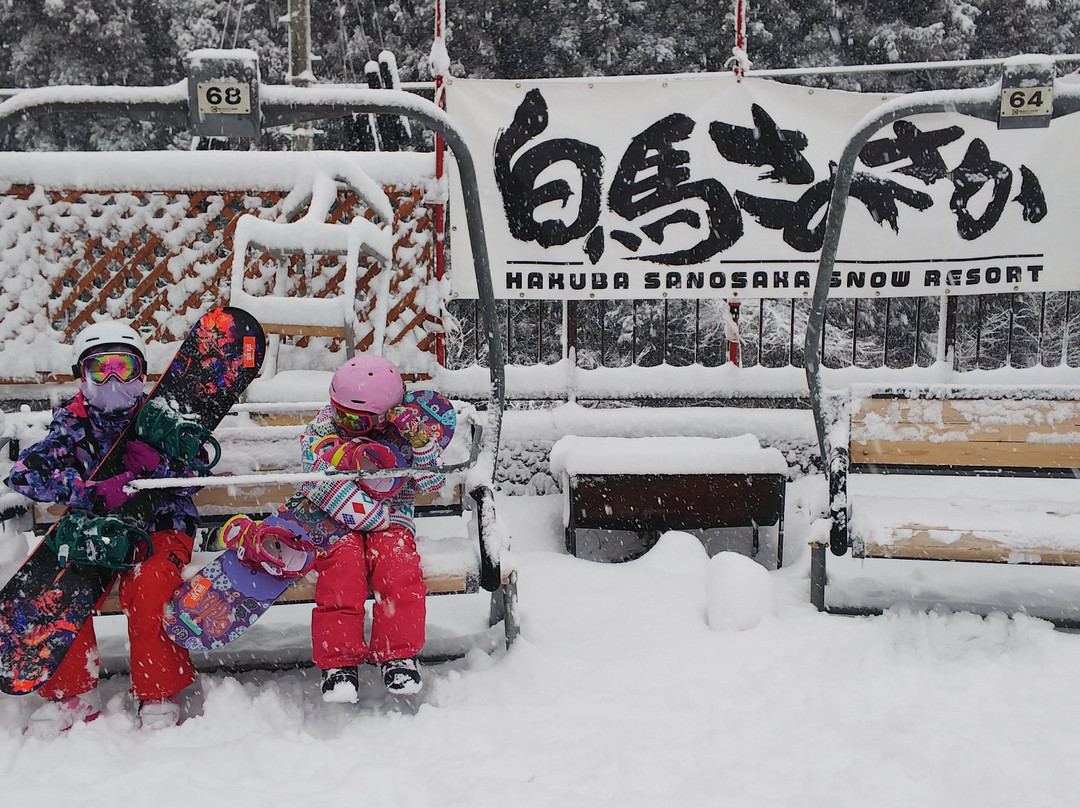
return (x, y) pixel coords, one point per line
(279, 106)
(983, 103)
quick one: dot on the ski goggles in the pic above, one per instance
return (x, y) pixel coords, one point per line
(357, 423)
(124, 366)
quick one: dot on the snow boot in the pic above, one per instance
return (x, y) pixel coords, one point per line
(58, 716)
(341, 685)
(402, 676)
(159, 713)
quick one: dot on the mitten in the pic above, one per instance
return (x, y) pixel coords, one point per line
(111, 491)
(344, 455)
(141, 459)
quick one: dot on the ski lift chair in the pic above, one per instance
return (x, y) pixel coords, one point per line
(280, 106)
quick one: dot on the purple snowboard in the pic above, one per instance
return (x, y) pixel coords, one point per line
(223, 599)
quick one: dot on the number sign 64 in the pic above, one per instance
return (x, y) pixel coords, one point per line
(1023, 101)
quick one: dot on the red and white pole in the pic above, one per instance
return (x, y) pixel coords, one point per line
(440, 67)
(740, 60)
(740, 63)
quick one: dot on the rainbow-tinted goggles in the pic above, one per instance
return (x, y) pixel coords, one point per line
(123, 366)
(357, 423)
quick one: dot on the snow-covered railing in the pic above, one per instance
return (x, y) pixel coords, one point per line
(311, 234)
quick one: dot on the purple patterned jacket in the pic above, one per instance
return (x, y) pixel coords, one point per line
(58, 467)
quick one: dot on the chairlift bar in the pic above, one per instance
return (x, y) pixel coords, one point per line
(897, 67)
(245, 480)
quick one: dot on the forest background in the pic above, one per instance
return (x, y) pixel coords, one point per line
(143, 42)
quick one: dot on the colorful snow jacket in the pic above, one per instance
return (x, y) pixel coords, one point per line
(58, 467)
(346, 501)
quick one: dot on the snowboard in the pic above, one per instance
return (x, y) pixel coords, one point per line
(225, 598)
(46, 602)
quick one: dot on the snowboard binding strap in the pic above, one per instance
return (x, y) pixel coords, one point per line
(178, 437)
(268, 548)
(82, 538)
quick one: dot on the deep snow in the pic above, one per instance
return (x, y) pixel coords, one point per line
(617, 693)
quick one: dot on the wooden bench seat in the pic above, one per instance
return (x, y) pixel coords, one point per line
(954, 473)
(450, 551)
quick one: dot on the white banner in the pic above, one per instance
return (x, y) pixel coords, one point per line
(708, 187)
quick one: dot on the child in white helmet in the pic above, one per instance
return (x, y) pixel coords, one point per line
(110, 364)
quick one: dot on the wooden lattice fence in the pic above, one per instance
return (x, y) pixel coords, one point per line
(159, 258)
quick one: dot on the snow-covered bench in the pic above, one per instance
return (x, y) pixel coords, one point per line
(620, 494)
(954, 473)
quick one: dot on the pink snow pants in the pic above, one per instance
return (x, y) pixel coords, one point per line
(388, 559)
(159, 667)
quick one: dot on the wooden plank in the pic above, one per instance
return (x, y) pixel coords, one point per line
(920, 544)
(967, 453)
(249, 498)
(1006, 433)
(292, 330)
(282, 418)
(1060, 415)
(985, 431)
(217, 500)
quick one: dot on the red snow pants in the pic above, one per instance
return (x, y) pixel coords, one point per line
(159, 667)
(389, 561)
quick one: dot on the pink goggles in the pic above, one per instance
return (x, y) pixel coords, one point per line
(124, 367)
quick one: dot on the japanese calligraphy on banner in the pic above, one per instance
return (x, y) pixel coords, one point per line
(709, 187)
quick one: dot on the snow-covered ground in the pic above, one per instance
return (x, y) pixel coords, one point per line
(618, 692)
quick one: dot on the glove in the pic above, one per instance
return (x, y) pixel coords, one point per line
(407, 422)
(111, 491)
(141, 459)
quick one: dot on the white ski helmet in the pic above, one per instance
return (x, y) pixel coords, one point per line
(106, 334)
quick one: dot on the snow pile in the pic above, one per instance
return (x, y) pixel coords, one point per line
(739, 592)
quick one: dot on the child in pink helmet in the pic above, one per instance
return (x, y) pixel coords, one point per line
(378, 533)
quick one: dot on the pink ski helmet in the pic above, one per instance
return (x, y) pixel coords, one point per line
(365, 385)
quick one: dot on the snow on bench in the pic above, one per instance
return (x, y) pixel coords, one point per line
(984, 474)
(622, 493)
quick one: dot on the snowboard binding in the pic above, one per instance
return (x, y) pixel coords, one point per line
(274, 550)
(360, 454)
(80, 537)
(181, 438)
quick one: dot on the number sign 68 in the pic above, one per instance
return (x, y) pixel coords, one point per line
(224, 97)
